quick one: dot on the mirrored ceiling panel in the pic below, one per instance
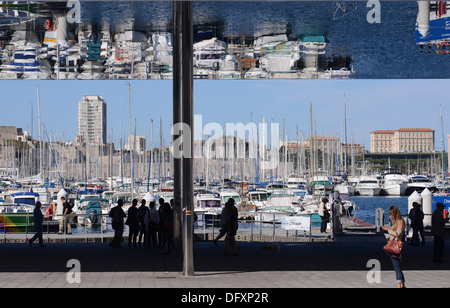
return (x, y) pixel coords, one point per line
(232, 40)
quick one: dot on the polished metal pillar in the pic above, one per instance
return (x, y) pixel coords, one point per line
(177, 119)
(188, 118)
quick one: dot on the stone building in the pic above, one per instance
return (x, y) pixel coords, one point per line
(403, 140)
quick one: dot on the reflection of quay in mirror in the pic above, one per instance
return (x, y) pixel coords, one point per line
(38, 42)
(232, 40)
(433, 27)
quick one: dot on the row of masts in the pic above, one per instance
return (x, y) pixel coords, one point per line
(85, 162)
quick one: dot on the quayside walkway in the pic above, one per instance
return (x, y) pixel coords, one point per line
(342, 263)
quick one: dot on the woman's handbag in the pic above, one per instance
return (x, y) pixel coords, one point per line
(394, 246)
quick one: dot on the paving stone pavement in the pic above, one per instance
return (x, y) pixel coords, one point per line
(339, 264)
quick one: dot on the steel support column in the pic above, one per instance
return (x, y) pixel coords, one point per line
(188, 118)
(176, 70)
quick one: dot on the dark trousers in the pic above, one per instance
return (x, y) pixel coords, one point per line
(161, 236)
(222, 232)
(117, 240)
(168, 234)
(38, 235)
(151, 241)
(323, 225)
(438, 248)
(142, 233)
(417, 230)
(132, 235)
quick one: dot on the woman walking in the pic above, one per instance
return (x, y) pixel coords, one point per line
(396, 232)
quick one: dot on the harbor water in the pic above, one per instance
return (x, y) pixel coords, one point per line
(366, 206)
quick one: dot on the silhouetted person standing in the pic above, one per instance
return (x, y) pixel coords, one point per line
(133, 224)
(143, 227)
(152, 222)
(416, 217)
(438, 231)
(160, 230)
(117, 214)
(168, 227)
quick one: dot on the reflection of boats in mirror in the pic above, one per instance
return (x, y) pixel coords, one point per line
(432, 32)
(105, 47)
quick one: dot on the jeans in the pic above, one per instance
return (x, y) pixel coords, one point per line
(396, 262)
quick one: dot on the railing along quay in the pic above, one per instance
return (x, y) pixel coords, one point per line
(250, 230)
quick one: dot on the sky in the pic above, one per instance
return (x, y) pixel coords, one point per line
(370, 105)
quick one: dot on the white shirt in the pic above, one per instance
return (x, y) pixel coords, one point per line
(322, 208)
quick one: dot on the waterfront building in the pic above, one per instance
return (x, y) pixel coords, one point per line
(12, 133)
(327, 144)
(92, 119)
(403, 140)
(139, 144)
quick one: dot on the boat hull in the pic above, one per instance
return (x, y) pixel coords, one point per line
(16, 223)
(395, 190)
(369, 191)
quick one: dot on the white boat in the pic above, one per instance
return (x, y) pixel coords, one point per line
(322, 184)
(21, 202)
(344, 188)
(394, 184)
(162, 48)
(257, 198)
(300, 193)
(296, 182)
(278, 206)
(418, 183)
(125, 196)
(368, 186)
(229, 68)
(256, 73)
(225, 195)
(208, 53)
(207, 207)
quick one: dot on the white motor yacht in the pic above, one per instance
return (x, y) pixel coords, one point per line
(394, 184)
(278, 206)
(418, 183)
(368, 186)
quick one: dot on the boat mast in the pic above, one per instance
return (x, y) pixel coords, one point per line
(311, 151)
(345, 136)
(444, 166)
(131, 152)
(40, 131)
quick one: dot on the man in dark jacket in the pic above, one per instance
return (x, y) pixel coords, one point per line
(416, 217)
(230, 222)
(438, 231)
(38, 220)
(133, 223)
(117, 214)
